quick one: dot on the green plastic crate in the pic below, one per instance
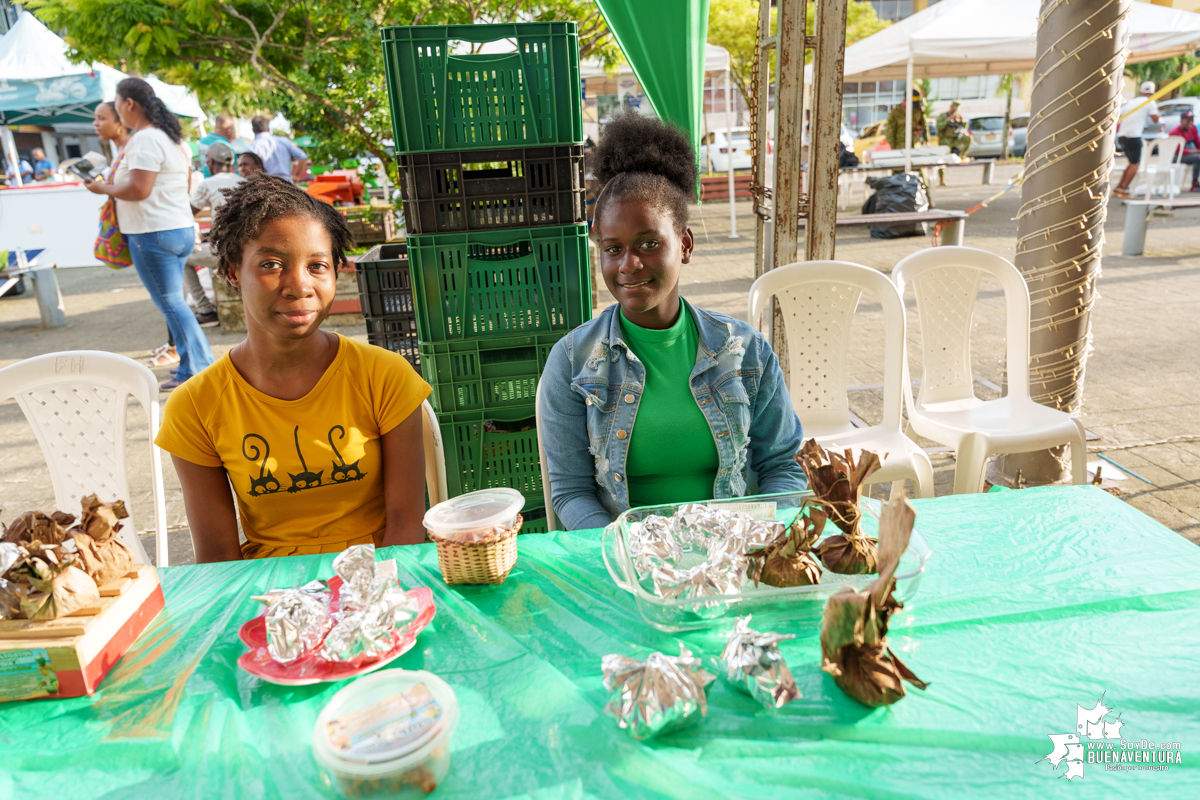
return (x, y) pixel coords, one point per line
(442, 100)
(485, 373)
(500, 283)
(478, 456)
(534, 519)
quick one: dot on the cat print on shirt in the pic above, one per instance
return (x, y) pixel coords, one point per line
(266, 483)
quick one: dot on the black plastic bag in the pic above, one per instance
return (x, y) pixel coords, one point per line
(893, 194)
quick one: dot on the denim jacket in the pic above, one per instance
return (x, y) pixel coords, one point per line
(590, 391)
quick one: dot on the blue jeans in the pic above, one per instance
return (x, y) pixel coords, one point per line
(160, 259)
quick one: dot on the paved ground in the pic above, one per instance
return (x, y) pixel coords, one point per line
(1142, 379)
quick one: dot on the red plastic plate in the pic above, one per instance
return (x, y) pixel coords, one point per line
(311, 669)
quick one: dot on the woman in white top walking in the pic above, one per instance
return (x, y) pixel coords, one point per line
(151, 190)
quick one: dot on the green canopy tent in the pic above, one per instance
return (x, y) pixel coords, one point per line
(663, 42)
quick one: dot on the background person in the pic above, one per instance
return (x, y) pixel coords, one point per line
(209, 194)
(319, 435)
(1186, 130)
(280, 157)
(249, 164)
(43, 169)
(223, 132)
(894, 130)
(152, 204)
(1130, 130)
(656, 400)
(111, 247)
(22, 166)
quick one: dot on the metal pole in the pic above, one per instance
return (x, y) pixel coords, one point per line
(733, 234)
(763, 260)
(828, 66)
(908, 87)
(10, 153)
(789, 122)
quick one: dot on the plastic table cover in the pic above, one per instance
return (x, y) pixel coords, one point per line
(1035, 605)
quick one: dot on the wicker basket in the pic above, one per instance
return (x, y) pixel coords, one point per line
(488, 560)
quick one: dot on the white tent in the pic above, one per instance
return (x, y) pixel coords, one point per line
(956, 38)
(39, 84)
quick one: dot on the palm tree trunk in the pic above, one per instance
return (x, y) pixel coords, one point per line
(1060, 228)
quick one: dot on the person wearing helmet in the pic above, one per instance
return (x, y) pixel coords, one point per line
(1130, 130)
(1186, 130)
(894, 132)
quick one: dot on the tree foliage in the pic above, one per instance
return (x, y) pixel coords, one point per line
(733, 24)
(319, 62)
(1164, 71)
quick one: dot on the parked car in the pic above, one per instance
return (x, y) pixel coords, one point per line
(870, 136)
(986, 136)
(715, 150)
(1017, 135)
(1169, 111)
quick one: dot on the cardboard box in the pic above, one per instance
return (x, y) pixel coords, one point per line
(70, 656)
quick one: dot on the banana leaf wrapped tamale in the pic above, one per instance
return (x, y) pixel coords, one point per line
(57, 587)
(854, 629)
(789, 561)
(36, 526)
(837, 482)
(102, 554)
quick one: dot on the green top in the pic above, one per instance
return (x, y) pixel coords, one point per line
(672, 454)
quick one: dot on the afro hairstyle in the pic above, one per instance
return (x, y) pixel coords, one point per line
(640, 157)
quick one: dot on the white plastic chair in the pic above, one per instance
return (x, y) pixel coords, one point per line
(1161, 172)
(435, 456)
(75, 403)
(945, 281)
(551, 519)
(818, 299)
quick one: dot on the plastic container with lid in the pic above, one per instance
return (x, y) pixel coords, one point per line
(474, 516)
(410, 769)
(476, 535)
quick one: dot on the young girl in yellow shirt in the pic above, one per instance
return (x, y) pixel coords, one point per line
(319, 435)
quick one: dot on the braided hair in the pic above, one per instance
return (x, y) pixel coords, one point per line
(263, 198)
(142, 93)
(644, 158)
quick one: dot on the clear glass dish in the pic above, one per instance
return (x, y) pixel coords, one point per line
(767, 603)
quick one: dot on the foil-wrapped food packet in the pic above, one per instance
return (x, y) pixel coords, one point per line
(356, 567)
(708, 579)
(372, 604)
(654, 541)
(297, 620)
(659, 694)
(751, 661)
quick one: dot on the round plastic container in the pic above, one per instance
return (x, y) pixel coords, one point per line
(410, 770)
(472, 516)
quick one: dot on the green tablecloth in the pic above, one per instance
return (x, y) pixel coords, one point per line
(1034, 602)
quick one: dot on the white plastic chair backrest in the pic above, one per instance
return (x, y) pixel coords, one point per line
(1169, 149)
(818, 300)
(551, 519)
(75, 401)
(435, 456)
(945, 281)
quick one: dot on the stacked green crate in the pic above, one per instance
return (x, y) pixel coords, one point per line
(492, 176)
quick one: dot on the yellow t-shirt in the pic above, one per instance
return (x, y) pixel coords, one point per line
(307, 473)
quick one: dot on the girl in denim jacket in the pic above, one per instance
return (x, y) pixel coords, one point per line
(658, 401)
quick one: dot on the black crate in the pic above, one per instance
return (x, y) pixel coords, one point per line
(384, 282)
(398, 334)
(483, 190)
